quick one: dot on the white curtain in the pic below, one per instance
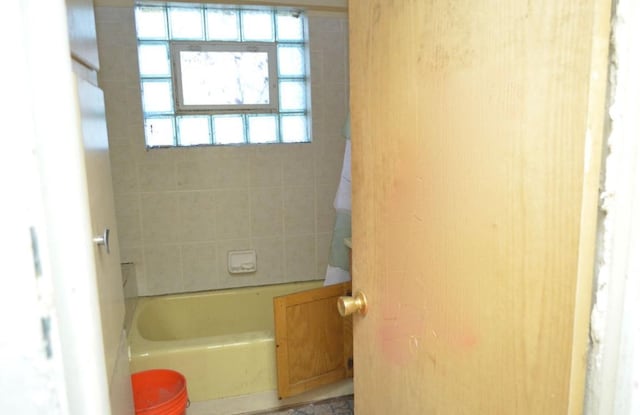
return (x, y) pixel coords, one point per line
(338, 268)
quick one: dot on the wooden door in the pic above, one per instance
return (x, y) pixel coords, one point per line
(476, 133)
(314, 344)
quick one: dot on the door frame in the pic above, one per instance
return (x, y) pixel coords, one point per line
(45, 91)
(614, 359)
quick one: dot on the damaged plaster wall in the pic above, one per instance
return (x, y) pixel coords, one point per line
(613, 383)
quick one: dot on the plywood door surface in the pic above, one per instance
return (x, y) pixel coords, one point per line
(313, 342)
(474, 190)
(101, 203)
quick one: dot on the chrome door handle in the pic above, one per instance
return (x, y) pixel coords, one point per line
(103, 240)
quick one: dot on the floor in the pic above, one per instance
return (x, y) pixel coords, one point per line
(258, 403)
(335, 406)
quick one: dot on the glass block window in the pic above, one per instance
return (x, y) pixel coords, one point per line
(222, 75)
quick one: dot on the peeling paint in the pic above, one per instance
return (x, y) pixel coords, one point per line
(612, 384)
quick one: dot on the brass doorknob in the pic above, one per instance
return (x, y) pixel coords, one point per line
(348, 305)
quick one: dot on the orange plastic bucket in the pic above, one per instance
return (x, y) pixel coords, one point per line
(159, 392)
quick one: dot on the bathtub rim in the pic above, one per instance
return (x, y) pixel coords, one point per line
(139, 346)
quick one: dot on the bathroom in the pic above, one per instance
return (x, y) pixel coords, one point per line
(180, 211)
(491, 276)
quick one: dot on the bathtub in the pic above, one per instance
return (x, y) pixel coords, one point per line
(221, 341)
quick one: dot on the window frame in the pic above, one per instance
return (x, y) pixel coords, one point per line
(176, 47)
(288, 117)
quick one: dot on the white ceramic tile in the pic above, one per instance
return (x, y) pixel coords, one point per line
(232, 171)
(334, 66)
(200, 267)
(299, 210)
(232, 216)
(123, 169)
(335, 103)
(107, 14)
(236, 211)
(135, 255)
(160, 222)
(266, 211)
(129, 279)
(315, 65)
(163, 270)
(197, 216)
(298, 165)
(318, 24)
(266, 166)
(155, 176)
(329, 163)
(196, 175)
(300, 258)
(117, 105)
(162, 155)
(270, 257)
(128, 219)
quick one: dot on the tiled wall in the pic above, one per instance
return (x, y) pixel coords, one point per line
(180, 211)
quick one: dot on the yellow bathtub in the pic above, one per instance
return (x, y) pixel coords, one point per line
(221, 341)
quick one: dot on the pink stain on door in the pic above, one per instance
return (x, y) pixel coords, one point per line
(411, 322)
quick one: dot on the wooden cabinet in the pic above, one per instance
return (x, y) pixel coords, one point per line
(314, 344)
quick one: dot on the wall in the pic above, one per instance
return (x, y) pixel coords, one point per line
(614, 362)
(32, 379)
(180, 211)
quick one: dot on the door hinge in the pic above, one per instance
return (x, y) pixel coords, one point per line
(350, 363)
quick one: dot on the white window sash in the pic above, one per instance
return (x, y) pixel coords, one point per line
(184, 109)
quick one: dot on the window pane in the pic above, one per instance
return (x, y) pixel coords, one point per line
(222, 25)
(228, 88)
(224, 78)
(156, 96)
(154, 59)
(186, 23)
(257, 25)
(294, 128)
(228, 129)
(263, 129)
(291, 61)
(159, 131)
(292, 96)
(289, 27)
(151, 23)
(193, 131)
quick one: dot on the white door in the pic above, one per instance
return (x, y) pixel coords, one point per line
(103, 221)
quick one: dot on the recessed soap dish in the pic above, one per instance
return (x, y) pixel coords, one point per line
(242, 262)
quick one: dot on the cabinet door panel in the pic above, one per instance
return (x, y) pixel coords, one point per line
(313, 342)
